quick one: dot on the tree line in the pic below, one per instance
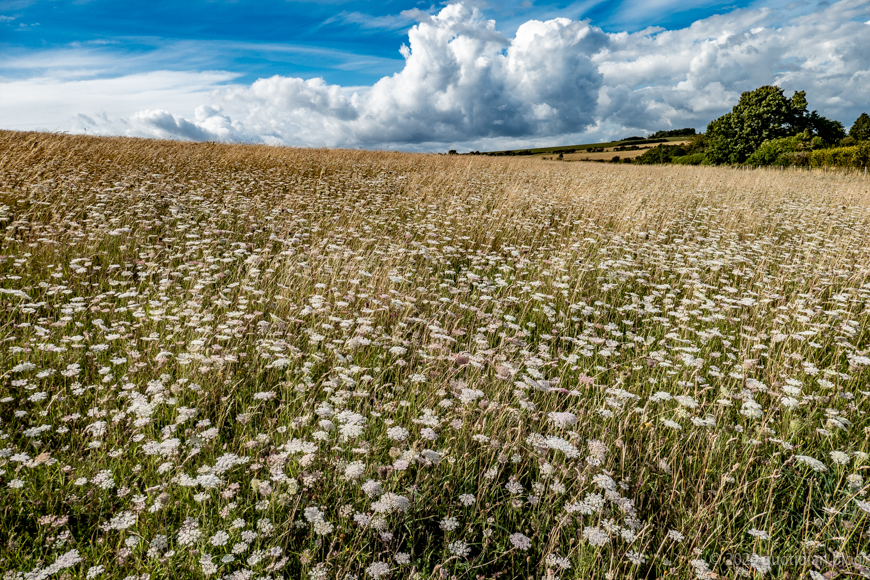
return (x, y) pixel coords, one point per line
(768, 128)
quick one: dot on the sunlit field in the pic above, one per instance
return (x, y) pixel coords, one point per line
(249, 362)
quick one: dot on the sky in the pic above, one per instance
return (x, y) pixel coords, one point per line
(419, 76)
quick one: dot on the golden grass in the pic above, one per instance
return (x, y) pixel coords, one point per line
(539, 310)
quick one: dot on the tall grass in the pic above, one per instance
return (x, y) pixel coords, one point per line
(255, 362)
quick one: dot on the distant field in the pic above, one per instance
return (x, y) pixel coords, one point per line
(609, 145)
(609, 153)
(250, 362)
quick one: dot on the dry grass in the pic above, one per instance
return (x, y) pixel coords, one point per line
(607, 154)
(602, 371)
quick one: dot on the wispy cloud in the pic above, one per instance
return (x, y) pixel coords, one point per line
(465, 83)
(370, 22)
(54, 103)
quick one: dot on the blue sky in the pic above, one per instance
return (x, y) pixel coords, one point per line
(345, 42)
(197, 69)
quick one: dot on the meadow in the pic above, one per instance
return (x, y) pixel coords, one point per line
(247, 362)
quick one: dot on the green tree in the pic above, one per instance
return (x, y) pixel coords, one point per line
(787, 150)
(660, 154)
(760, 115)
(763, 115)
(829, 130)
(860, 131)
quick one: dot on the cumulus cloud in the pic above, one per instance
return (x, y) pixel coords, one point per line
(466, 83)
(46, 101)
(462, 80)
(689, 76)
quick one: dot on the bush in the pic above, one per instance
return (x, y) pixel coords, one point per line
(691, 159)
(696, 144)
(660, 154)
(687, 132)
(856, 157)
(781, 151)
(796, 158)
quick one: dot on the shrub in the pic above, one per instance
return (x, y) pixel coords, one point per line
(779, 151)
(856, 157)
(691, 159)
(660, 154)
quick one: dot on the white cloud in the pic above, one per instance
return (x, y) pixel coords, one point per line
(367, 21)
(44, 102)
(462, 80)
(466, 84)
(689, 76)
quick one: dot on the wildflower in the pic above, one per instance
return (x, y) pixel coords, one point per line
(449, 524)
(378, 569)
(122, 521)
(459, 548)
(219, 539)
(562, 445)
(466, 499)
(391, 502)
(520, 541)
(372, 488)
(839, 457)
(562, 420)
(556, 561)
(397, 433)
(814, 464)
(354, 470)
(429, 434)
(189, 533)
(207, 565)
(595, 536)
(751, 409)
(760, 563)
(702, 569)
(514, 487)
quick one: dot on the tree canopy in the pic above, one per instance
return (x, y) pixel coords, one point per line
(860, 131)
(762, 115)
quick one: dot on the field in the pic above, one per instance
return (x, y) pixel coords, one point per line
(251, 362)
(608, 153)
(608, 145)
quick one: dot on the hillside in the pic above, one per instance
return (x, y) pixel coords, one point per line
(231, 361)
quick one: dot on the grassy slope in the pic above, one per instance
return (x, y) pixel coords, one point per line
(222, 302)
(609, 144)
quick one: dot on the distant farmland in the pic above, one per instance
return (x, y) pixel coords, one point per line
(590, 151)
